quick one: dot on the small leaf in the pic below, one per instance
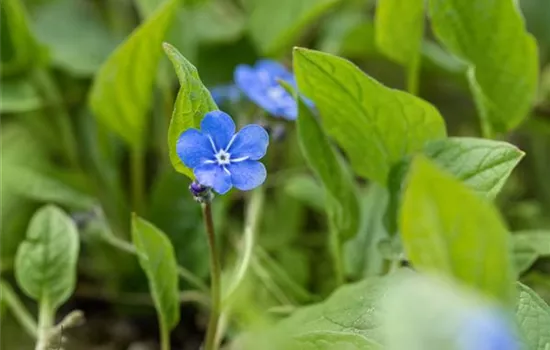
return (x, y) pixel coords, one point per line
(342, 202)
(448, 230)
(399, 27)
(286, 18)
(491, 37)
(35, 185)
(533, 316)
(121, 93)
(529, 246)
(483, 165)
(45, 263)
(192, 103)
(376, 126)
(157, 259)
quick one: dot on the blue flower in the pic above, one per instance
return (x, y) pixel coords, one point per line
(487, 330)
(220, 158)
(223, 93)
(260, 84)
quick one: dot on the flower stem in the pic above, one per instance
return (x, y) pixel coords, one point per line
(137, 176)
(336, 253)
(215, 278)
(164, 337)
(45, 322)
(413, 72)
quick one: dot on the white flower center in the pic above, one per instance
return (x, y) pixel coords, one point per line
(276, 92)
(222, 157)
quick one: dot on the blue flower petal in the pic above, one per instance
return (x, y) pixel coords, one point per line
(213, 175)
(225, 93)
(193, 148)
(275, 69)
(247, 174)
(219, 126)
(487, 330)
(251, 141)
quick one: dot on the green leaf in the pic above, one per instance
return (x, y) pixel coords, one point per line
(399, 26)
(39, 186)
(376, 126)
(468, 242)
(533, 317)
(491, 37)
(74, 32)
(348, 319)
(157, 259)
(286, 18)
(483, 165)
(529, 246)
(306, 189)
(45, 263)
(192, 103)
(342, 202)
(19, 95)
(218, 21)
(121, 93)
(19, 50)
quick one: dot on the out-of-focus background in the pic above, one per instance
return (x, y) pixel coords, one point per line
(54, 150)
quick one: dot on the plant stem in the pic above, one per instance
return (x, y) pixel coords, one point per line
(215, 278)
(164, 336)
(413, 72)
(336, 253)
(45, 322)
(21, 313)
(137, 176)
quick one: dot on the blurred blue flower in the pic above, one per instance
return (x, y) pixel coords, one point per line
(225, 93)
(487, 330)
(260, 84)
(220, 158)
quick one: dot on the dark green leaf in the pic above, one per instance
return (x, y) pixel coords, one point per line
(45, 264)
(491, 36)
(286, 20)
(121, 93)
(19, 95)
(468, 242)
(533, 316)
(157, 259)
(192, 103)
(483, 165)
(342, 202)
(529, 246)
(376, 126)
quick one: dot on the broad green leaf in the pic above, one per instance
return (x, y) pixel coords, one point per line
(483, 165)
(19, 95)
(157, 259)
(376, 126)
(19, 50)
(342, 203)
(449, 230)
(306, 189)
(39, 186)
(218, 21)
(192, 103)
(74, 31)
(491, 37)
(399, 27)
(45, 263)
(275, 24)
(348, 319)
(121, 93)
(533, 317)
(529, 246)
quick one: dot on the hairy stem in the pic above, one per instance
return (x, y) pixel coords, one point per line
(215, 278)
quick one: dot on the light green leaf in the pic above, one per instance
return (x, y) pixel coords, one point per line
(19, 50)
(533, 317)
(78, 39)
(399, 27)
(376, 126)
(286, 20)
(218, 21)
(193, 102)
(491, 36)
(40, 186)
(448, 230)
(19, 95)
(307, 190)
(529, 246)
(157, 259)
(121, 93)
(45, 263)
(342, 202)
(483, 165)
